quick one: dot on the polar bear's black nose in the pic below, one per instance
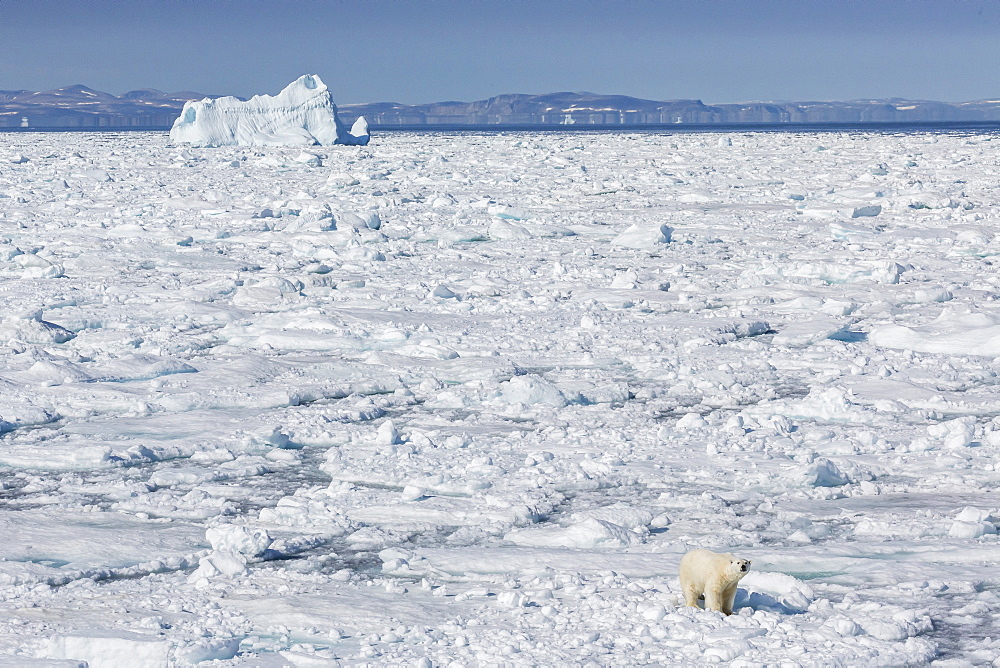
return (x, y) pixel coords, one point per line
(744, 567)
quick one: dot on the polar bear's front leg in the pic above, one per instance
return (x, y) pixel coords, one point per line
(728, 598)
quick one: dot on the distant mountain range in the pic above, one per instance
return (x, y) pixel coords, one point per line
(82, 107)
(603, 110)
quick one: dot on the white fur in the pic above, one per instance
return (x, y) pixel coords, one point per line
(713, 575)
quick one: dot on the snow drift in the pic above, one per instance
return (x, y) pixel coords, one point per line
(301, 114)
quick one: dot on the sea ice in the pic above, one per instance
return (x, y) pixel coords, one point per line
(643, 236)
(950, 332)
(460, 399)
(588, 534)
(110, 650)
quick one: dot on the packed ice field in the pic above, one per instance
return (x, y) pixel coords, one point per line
(457, 400)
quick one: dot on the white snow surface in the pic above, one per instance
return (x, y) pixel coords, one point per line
(467, 399)
(303, 113)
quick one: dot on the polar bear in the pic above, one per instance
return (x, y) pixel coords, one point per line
(714, 576)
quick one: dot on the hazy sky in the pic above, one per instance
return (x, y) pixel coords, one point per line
(414, 51)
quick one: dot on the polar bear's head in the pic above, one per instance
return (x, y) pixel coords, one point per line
(738, 568)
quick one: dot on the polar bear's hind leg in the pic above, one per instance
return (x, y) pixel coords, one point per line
(691, 595)
(714, 598)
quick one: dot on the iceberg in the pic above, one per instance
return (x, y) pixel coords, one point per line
(303, 114)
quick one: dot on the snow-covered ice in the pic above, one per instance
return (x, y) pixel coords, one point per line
(301, 114)
(466, 399)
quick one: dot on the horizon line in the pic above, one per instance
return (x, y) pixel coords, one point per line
(558, 92)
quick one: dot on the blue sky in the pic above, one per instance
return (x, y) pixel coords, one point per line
(415, 51)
